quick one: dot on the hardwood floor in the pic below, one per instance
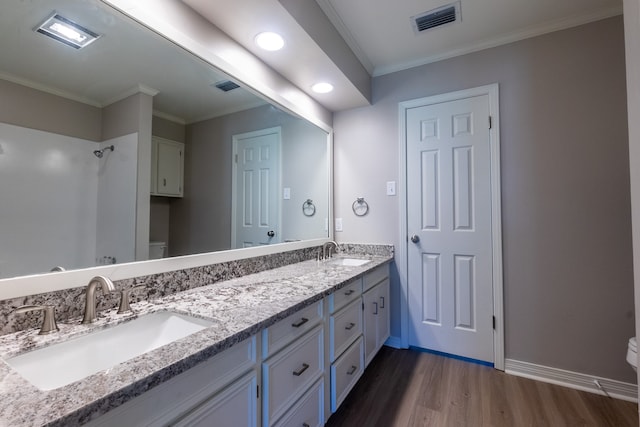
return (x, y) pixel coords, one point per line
(409, 388)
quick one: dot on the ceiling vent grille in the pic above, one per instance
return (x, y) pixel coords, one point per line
(226, 85)
(436, 17)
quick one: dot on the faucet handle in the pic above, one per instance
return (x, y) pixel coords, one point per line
(48, 322)
(124, 306)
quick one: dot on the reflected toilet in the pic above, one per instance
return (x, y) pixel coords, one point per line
(157, 250)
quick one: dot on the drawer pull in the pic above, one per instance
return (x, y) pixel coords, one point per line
(350, 326)
(352, 370)
(349, 292)
(381, 302)
(301, 370)
(376, 304)
(300, 322)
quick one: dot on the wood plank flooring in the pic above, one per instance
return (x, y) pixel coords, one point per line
(402, 388)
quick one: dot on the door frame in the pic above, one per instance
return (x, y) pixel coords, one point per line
(234, 171)
(496, 211)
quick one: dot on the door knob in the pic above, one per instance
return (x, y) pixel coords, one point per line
(415, 238)
(271, 233)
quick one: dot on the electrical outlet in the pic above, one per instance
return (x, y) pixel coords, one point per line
(286, 193)
(338, 224)
(391, 188)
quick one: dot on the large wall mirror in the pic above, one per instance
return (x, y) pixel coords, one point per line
(84, 131)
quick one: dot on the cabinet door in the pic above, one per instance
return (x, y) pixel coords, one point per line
(235, 406)
(371, 313)
(169, 168)
(384, 318)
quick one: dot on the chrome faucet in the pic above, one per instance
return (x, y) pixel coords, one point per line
(326, 249)
(90, 304)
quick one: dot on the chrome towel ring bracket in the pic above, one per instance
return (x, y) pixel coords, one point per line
(360, 207)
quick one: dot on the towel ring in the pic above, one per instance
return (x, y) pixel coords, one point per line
(308, 208)
(360, 207)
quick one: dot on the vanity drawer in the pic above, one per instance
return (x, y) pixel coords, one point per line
(374, 277)
(182, 393)
(287, 330)
(309, 410)
(345, 372)
(344, 327)
(290, 373)
(345, 295)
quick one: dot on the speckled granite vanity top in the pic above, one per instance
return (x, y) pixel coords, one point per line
(239, 308)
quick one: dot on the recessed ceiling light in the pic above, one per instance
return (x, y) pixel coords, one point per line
(66, 31)
(322, 87)
(270, 41)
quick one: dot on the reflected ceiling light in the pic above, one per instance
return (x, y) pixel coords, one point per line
(322, 87)
(66, 31)
(270, 41)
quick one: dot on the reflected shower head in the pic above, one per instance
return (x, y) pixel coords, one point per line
(100, 153)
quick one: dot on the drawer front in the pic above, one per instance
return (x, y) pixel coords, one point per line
(374, 277)
(160, 405)
(345, 326)
(345, 372)
(235, 406)
(289, 329)
(289, 373)
(345, 295)
(308, 411)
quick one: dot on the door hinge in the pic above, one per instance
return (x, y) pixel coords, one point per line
(258, 391)
(490, 123)
(494, 322)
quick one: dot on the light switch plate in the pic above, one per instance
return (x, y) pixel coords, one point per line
(338, 224)
(391, 188)
(286, 193)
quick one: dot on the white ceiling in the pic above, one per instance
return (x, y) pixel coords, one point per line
(381, 34)
(126, 58)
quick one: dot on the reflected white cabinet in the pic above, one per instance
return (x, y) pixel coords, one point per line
(167, 167)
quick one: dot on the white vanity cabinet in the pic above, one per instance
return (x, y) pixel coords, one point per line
(293, 369)
(376, 311)
(167, 167)
(223, 388)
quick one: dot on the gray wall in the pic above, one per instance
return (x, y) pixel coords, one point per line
(34, 109)
(568, 279)
(201, 220)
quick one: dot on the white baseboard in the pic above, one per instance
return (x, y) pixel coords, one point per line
(584, 382)
(394, 342)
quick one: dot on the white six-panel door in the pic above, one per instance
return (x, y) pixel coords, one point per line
(256, 182)
(449, 202)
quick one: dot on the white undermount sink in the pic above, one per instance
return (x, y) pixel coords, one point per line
(350, 262)
(60, 364)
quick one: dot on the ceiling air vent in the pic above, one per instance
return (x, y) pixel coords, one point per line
(436, 17)
(226, 85)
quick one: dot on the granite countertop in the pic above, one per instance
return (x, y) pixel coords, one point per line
(239, 308)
